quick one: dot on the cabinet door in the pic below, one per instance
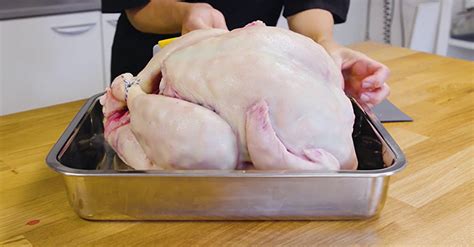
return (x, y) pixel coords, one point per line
(109, 23)
(49, 60)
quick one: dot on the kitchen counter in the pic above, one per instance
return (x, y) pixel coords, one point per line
(430, 202)
(30, 8)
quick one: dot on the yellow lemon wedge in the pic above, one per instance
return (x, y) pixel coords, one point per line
(165, 42)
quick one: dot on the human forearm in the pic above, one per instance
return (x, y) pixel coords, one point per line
(158, 16)
(364, 78)
(171, 16)
(316, 24)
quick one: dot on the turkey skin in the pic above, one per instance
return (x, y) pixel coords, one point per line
(256, 97)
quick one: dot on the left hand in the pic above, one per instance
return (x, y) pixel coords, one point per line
(201, 16)
(364, 78)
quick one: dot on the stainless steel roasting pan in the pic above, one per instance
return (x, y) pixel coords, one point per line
(100, 187)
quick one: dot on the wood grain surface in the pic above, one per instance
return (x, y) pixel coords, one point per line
(429, 203)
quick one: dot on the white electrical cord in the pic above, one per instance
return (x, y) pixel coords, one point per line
(388, 10)
(402, 24)
(367, 24)
(388, 13)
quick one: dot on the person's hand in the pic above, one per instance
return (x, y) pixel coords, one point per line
(201, 16)
(364, 78)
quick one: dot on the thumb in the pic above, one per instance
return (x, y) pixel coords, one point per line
(194, 25)
(218, 20)
(337, 59)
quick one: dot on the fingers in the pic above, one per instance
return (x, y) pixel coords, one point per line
(202, 24)
(219, 20)
(202, 16)
(337, 60)
(378, 78)
(351, 57)
(374, 88)
(364, 77)
(374, 97)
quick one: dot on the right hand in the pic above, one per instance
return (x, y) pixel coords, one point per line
(202, 16)
(364, 77)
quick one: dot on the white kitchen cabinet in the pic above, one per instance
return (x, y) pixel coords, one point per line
(353, 30)
(50, 60)
(109, 24)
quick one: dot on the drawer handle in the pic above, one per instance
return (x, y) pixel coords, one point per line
(74, 29)
(112, 22)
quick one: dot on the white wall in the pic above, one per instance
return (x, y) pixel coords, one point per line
(353, 30)
(408, 8)
(459, 5)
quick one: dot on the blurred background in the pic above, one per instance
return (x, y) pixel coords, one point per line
(443, 27)
(56, 51)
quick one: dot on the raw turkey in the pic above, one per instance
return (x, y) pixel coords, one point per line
(256, 97)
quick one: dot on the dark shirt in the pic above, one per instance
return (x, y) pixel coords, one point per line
(132, 49)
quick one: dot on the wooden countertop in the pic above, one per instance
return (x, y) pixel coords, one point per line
(429, 203)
